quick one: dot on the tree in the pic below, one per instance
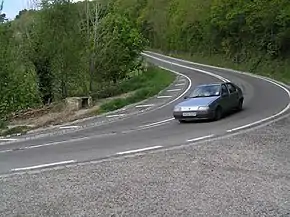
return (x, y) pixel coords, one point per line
(118, 46)
(2, 15)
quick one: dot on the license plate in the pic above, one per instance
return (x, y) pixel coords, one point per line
(189, 114)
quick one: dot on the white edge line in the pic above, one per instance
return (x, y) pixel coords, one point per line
(142, 106)
(68, 127)
(234, 71)
(5, 151)
(187, 67)
(43, 165)
(113, 116)
(8, 139)
(160, 97)
(200, 138)
(139, 150)
(173, 90)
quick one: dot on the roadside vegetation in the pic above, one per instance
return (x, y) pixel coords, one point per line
(69, 50)
(251, 35)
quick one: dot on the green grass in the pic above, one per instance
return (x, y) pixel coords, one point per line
(148, 84)
(14, 130)
(276, 69)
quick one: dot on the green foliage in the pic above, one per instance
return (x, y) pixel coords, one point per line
(2, 15)
(18, 87)
(14, 130)
(251, 33)
(152, 82)
(64, 49)
(118, 46)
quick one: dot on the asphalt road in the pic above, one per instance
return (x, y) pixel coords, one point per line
(263, 99)
(243, 175)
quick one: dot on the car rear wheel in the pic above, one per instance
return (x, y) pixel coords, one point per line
(181, 121)
(218, 113)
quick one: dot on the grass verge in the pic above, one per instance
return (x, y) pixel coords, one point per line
(275, 69)
(14, 130)
(144, 86)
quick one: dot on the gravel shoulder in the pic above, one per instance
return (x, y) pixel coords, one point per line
(245, 175)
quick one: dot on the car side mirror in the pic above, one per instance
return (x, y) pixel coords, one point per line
(185, 97)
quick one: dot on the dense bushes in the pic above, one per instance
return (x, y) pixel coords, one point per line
(64, 49)
(252, 34)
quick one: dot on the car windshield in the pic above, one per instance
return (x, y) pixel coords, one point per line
(206, 91)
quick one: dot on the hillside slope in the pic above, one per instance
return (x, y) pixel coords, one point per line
(248, 35)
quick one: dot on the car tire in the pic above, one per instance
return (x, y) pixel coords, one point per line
(240, 105)
(218, 113)
(181, 121)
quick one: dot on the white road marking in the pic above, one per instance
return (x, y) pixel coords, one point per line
(174, 90)
(8, 139)
(43, 165)
(161, 97)
(5, 151)
(181, 84)
(186, 67)
(113, 116)
(156, 123)
(69, 127)
(142, 106)
(200, 138)
(138, 150)
(65, 141)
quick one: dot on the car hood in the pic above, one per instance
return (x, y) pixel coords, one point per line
(200, 101)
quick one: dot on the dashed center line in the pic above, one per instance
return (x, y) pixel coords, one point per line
(44, 165)
(200, 138)
(138, 150)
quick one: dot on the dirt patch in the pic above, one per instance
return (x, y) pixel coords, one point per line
(57, 114)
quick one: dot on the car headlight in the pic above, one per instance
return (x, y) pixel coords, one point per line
(203, 108)
(177, 109)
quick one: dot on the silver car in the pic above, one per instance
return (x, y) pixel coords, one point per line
(209, 101)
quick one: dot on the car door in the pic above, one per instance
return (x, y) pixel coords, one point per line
(225, 98)
(233, 95)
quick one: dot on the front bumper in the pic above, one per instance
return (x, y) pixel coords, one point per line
(193, 115)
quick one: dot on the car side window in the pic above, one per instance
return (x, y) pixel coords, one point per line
(224, 89)
(231, 88)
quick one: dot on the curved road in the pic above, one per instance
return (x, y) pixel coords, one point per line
(264, 100)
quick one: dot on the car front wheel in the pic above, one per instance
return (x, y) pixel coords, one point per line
(240, 105)
(218, 113)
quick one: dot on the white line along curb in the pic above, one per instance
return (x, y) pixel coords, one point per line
(187, 67)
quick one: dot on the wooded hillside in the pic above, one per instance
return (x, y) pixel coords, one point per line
(69, 49)
(251, 35)
(65, 49)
